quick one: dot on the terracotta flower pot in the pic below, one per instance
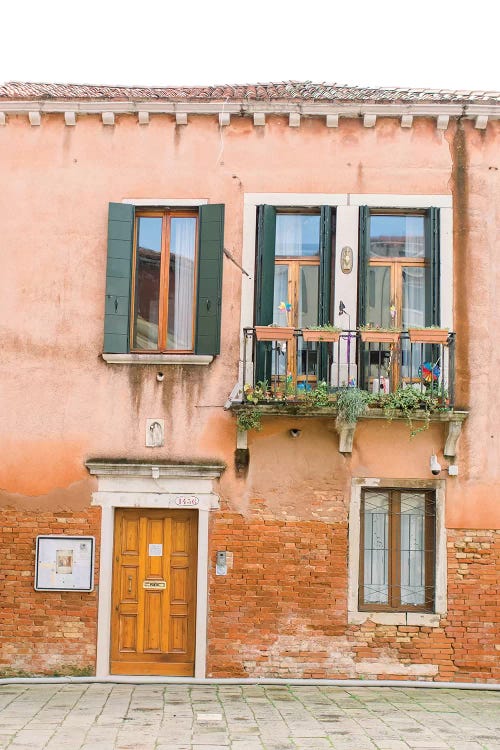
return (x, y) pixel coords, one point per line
(273, 333)
(309, 335)
(379, 337)
(428, 335)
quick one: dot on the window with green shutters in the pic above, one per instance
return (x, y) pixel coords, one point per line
(293, 265)
(164, 280)
(399, 283)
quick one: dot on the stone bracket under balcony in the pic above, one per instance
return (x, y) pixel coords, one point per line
(346, 432)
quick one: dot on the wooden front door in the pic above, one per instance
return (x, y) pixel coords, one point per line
(154, 592)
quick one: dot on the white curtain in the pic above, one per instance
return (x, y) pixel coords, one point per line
(181, 281)
(289, 234)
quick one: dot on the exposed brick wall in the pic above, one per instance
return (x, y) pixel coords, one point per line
(44, 632)
(473, 622)
(281, 611)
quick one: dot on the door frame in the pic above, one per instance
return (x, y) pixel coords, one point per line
(149, 485)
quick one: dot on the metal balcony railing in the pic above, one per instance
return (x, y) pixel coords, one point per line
(287, 370)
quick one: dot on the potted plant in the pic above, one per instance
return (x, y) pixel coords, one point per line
(321, 333)
(379, 334)
(428, 335)
(273, 333)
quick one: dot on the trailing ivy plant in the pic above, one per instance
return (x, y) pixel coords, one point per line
(249, 419)
(409, 401)
(351, 405)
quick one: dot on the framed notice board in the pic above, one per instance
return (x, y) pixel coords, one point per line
(64, 563)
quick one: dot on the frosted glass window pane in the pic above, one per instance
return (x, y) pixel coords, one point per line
(412, 548)
(376, 552)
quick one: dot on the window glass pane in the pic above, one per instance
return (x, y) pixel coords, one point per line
(147, 284)
(307, 316)
(378, 297)
(397, 236)
(280, 317)
(297, 235)
(415, 292)
(308, 296)
(376, 551)
(416, 284)
(181, 283)
(413, 548)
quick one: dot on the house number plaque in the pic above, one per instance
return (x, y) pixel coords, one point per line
(187, 501)
(156, 585)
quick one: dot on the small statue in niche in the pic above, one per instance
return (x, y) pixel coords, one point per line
(154, 436)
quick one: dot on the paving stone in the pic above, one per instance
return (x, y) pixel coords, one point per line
(145, 717)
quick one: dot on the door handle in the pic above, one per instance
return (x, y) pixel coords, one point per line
(130, 584)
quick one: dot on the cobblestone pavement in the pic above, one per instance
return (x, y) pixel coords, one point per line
(245, 717)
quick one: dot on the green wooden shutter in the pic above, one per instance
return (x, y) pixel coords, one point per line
(209, 288)
(264, 276)
(264, 286)
(118, 278)
(363, 256)
(325, 266)
(433, 255)
(325, 284)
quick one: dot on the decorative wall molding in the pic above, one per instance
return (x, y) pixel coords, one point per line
(369, 113)
(110, 468)
(157, 359)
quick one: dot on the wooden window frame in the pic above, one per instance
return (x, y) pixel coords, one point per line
(295, 263)
(394, 564)
(166, 215)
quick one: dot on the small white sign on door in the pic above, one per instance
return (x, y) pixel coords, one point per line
(155, 550)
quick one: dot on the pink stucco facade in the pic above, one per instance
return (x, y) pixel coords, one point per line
(62, 404)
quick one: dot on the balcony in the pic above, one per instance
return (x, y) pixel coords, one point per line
(398, 375)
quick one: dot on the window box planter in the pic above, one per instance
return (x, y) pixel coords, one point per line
(379, 337)
(316, 335)
(428, 335)
(273, 333)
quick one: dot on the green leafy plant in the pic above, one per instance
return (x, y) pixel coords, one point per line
(259, 392)
(327, 327)
(319, 396)
(429, 328)
(249, 419)
(382, 329)
(351, 404)
(410, 400)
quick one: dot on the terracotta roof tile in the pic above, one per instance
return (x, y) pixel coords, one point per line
(289, 90)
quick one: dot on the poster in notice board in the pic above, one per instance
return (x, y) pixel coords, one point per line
(64, 563)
